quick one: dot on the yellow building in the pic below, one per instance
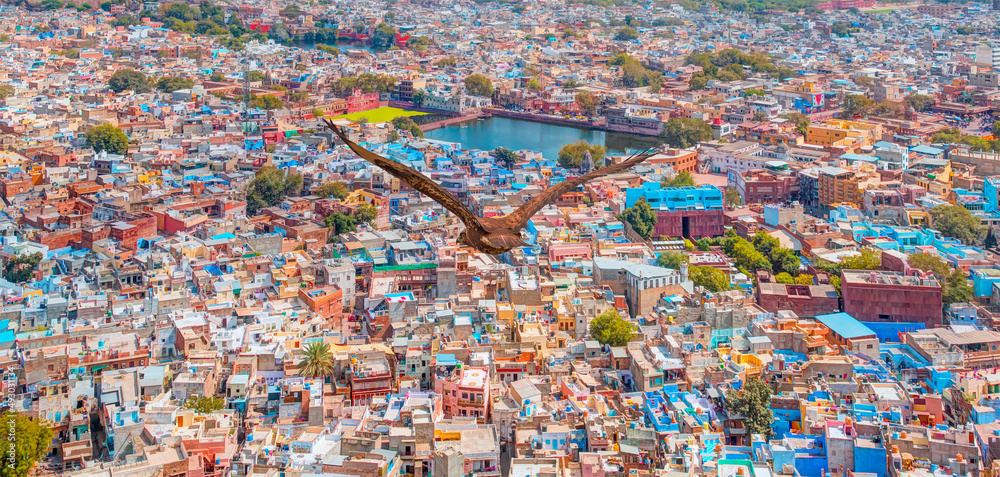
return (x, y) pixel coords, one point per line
(850, 135)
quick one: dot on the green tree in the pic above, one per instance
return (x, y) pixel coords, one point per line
(6, 91)
(20, 268)
(25, 441)
(609, 328)
(745, 254)
(571, 155)
(106, 6)
(479, 85)
(868, 259)
(364, 214)
(626, 33)
(920, 102)
(681, 179)
(169, 84)
(752, 402)
(317, 360)
(956, 289)
(710, 278)
(856, 105)
(269, 187)
(784, 278)
(407, 124)
(534, 85)
(267, 101)
(685, 132)
(697, 83)
(217, 77)
(733, 197)
(996, 130)
(641, 217)
(505, 157)
(127, 79)
(588, 102)
(671, 260)
(340, 223)
(107, 137)
(205, 404)
(254, 76)
(930, 263)
(419, 96)
(334, 189)
(384, 36)
(705, 244)
(957, 222)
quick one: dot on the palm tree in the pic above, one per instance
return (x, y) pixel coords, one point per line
(318, 361)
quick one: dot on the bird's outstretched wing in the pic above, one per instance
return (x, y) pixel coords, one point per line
(415, 179)
(519, 218)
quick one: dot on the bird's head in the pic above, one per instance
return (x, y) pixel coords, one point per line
(463, 239)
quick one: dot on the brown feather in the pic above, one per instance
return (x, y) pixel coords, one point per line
(415, 179)
(519, 218)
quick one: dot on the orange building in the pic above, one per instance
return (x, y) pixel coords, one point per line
(680, 160)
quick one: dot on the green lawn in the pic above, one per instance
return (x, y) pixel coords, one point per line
(885, 10)
(379, 115)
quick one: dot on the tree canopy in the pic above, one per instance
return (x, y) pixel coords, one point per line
(711, 278)
(29, 439)
(753, 402)
(671, 260)
(685, 132)
(384, 36)
(479, 85)
(609, 328)
(334, 189)
(269, 187)
(955, 287)
(169, 84)
(205, 404)
(107, 137)
(20, 268)
(681, 179)
(641, 217)
(571, 155)
(958, 223)
(626, 33)
(128, 79)
(587, 101)
(317, 360)
(505, 157)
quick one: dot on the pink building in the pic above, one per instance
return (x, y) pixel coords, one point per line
(559, 252)
(465, 393)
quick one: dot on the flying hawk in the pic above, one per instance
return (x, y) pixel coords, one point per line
(493, 235)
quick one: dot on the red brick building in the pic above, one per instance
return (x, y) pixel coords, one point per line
(891, 297)
(689, 223)
(761, 187)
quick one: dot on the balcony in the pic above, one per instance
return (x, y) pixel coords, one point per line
(467, 402)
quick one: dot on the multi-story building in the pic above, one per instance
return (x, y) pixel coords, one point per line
(642, 285)
(847, 136)
(465, 393)
(845, 186)
(884, 296)
(681, 160)
(764, 187)
(634, 119)
(692, 212)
